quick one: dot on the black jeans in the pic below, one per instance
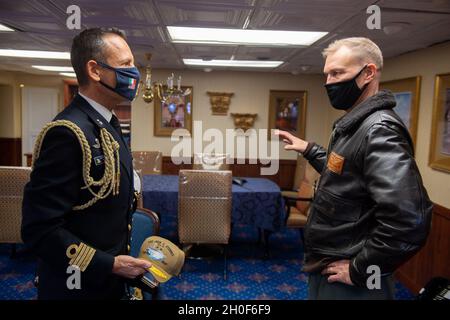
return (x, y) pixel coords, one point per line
(320, 289)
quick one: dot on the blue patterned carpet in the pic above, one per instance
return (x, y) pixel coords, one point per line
(249, 275)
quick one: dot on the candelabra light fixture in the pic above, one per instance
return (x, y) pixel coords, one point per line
(168, 94)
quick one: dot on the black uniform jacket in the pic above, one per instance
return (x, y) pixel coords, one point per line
(61, 236)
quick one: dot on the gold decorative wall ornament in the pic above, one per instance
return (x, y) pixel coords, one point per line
(244, 121)
(220, 102)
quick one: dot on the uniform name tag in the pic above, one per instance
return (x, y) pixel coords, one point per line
(335, 163)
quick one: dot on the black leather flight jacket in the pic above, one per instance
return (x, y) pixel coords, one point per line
(370, 205)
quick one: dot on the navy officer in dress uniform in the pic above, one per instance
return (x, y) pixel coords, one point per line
(78, 204)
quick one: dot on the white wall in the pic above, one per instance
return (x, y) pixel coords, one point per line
(13, 127)
(251, 95)
(6, 111)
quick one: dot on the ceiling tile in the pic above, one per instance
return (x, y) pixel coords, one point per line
(201, 14)
(423, 22)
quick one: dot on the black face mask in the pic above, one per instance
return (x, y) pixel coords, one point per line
(344, 94)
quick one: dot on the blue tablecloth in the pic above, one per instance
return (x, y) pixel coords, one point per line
(258, 202)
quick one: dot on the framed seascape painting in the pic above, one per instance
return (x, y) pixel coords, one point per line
(440, 127)
(174, 113)
(407, 95)
(287, 111)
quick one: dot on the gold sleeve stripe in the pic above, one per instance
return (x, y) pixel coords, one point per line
(84, 262)
(87, 260)
(80, 255)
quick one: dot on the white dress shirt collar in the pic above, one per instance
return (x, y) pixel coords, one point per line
(105, 112)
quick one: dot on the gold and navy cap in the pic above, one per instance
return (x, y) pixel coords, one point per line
(166, 258)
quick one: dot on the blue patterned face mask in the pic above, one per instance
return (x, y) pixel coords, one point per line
(127, 81)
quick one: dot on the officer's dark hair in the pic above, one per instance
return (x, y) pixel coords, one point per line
(89, 45)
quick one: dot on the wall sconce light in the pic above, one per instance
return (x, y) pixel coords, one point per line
(148, 95)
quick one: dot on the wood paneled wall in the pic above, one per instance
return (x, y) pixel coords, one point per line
(284, 178)
(10, 151)
(433, 260)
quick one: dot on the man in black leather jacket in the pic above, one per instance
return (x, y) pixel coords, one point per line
(371, 211)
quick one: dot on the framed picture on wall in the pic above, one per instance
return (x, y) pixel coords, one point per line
(287, 111)
(440, 127)
(173, 114)
(407, 95)
(70, 90)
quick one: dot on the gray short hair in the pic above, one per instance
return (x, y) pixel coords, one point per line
(365, 49)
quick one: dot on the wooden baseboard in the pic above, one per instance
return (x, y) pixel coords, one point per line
(284, 177)
(433, 260)
(10, 151)
(413, 286)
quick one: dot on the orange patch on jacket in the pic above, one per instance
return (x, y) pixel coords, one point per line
(335, 163)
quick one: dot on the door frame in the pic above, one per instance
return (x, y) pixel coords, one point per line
(25, 116)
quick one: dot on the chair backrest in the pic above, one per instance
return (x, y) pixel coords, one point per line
(204, 206)
(12, 183)
(311, 175)
(207, 161)
(306, 188)
(144, 224)
(299, 171)
(148, 162)
(305, 191)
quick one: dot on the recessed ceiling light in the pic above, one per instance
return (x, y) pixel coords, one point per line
(241, 36)
(5, 28)
(305, 68)
(35, 54)
(233, 63)
(395, 27)
(68, 74)
(53, 68)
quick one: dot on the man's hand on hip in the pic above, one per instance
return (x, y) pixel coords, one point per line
(292, 142)
(339, 271)
(129, 267)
